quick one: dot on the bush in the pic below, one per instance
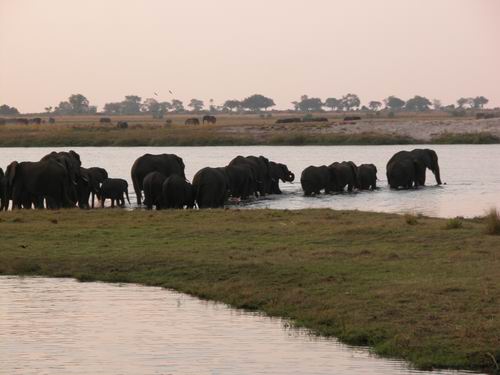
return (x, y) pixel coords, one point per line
(411, 219)
(455, 223)
(391, 114)
(460, 112)
(307, 117)
(493, 222)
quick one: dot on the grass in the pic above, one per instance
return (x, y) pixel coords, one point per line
(229, 131)
(493, 222)
(455, 223)
(417, 292)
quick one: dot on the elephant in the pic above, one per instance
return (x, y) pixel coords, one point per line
(242, 183)
(367, 177)
(84, 188)
(260, 169)
(167, 164)
(177, 193)
(314, 179)
(153, 183)
(278, 172)
(209, 119)
(345, 175)
(71, 162)
(30, 183)
(192, 121)
(404, 172)
(114, 189)
(210, 187)
(3, 198)
(97, 176)
(425, 157)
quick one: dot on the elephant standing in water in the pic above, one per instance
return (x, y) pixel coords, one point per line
(3, 197)
(278, 172)
(115, 189)
(260, 170)
(97, 176)
(367, 177)
(345, 175)
(211, 187)
(406, 165)
(177, 193)
(242, 183)
(167, 164)
(314, 179)
(152, 185)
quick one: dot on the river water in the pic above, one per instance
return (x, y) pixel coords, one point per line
(471, 174)
(61, 326)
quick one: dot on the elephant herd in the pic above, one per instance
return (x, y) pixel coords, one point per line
(58, 180)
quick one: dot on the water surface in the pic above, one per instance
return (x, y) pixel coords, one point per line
(471, 174)
(61, 326)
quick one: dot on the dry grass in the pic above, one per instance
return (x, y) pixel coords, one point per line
(492, 220)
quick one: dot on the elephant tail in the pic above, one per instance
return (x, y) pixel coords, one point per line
(126, 194)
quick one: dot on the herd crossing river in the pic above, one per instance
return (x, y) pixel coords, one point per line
(470, 175)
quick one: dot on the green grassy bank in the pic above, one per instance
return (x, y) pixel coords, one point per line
(423, 289)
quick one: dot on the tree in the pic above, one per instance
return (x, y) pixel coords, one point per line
(112, 108)
(374, 105)
(350, 101)
(332, 103)
(436, 104)
(131, 105)
(79, 103)
(232, 104)
(308, 104)
(6, 110)
(295, 105)
(462, 102)
(418, 104)
(394, 103)
(64, 108)
(151, 106)
(196, 104)
(257, 102)
(48, 109)
(479, 102)
(177, 105)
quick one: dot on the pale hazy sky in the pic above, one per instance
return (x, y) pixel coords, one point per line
(225, 49)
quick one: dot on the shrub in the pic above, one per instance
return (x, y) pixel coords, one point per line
(492, 220)
(455, 223)
(391, 114)
(410, 219)
(460, 112)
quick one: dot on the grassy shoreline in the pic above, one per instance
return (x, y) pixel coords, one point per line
(411, 289)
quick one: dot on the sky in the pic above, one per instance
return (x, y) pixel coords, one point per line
(231, 49)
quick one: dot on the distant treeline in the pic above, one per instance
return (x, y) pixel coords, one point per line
(78, 104)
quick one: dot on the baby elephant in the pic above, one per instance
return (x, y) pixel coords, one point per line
(152, 185)
(114, 189)
(367, 177)
(177, 193)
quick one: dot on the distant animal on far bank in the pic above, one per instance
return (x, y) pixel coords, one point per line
(105, 120)
(352, 118)
(288, 120)
(209, 119)
(122, 125)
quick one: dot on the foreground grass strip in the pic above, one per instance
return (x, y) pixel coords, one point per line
(418, 292)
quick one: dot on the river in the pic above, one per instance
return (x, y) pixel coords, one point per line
(471, 174)
(61, 326)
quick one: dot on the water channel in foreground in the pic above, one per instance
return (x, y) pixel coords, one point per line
(61, 326)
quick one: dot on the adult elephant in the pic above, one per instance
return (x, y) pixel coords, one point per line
(404, 172)
(3, 197)
(84, 188)
(167, 164)
(260, 169)
(242, 183)
(277, 172)
(367, 177)
(177, 193)
(153, 183)
(210, 187)
(345, 175)
(71, 163)
(209, 119)
(426, 158)
(314, 179)
(30, 183)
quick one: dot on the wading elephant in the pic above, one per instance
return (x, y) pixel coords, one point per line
(211, 187)
(345, 175)
(152, 184)
(3, 197)
(31, 183)
(167, 164)
(115, 189)
(260, 168)
(278, 172)
(242, 183)
(425, 157)
(403, 173)
(367, 177)
(314, 179)
(177, 193)
(97, 176)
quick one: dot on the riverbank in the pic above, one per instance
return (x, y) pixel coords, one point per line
(250, 130)
(423, 289)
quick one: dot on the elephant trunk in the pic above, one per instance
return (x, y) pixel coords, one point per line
(437, 175)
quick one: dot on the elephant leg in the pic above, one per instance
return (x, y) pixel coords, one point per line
(112, 202)
(102, 202)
